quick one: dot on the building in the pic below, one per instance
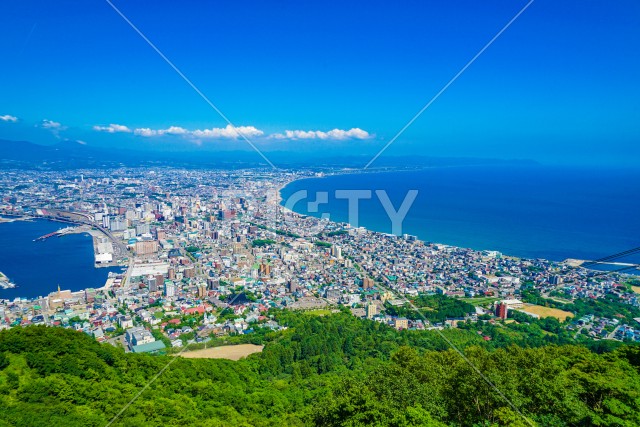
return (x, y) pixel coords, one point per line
(367, 283)
(333, 294)
(146, 247)
(265, 269)
(372, 310)
(117, 224)
(142, 229)
(169, 289)
(159, 279)
(153, 268)
(336, 251)
(386, 296)
(513, 303)
(129, 233)
(401, 323)
(555, 280)
(160, 234)
(213, 283)
(151, 347)
(138, 335)
(226, 214)
(293, 287)
(202, 290)
(153, 284)
(90, 295)
(501, 310)
(103, 258)
(125, 322)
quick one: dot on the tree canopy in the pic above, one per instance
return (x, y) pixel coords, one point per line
(334, 370)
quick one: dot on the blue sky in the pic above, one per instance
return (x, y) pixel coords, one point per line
(560, 85)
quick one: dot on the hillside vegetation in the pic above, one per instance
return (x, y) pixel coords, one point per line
(332, 370)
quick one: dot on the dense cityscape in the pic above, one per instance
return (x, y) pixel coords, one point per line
(208, 253)
(319, 214)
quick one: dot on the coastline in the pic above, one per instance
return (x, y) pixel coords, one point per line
(29, 284)
(16, 219)
(280, 199)
(572, 262)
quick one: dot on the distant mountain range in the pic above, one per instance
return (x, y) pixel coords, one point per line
(75, 155)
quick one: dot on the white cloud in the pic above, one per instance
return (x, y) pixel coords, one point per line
(54, 127)
(8, 118)
(335, 134)
(112, 128)
(233, 132)
(145, 132)
(173, 130)
(50, 124)
(229, 132)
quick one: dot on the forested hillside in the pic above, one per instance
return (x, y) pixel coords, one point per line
(328, 371)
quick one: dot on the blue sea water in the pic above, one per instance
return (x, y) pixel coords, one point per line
(529, 211)
(39, 267)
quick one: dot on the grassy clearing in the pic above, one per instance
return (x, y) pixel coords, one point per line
(480, 300)
(547, 311)
(231, 352)
(318, 312)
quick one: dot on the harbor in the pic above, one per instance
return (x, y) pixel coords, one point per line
(103, 245)
(59, 233)
(34, 267)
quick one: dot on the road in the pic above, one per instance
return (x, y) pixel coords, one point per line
(120, 249)
(613, 333)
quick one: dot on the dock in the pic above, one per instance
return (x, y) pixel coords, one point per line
(58, 233)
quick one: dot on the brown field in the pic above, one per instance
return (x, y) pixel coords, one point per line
(547, 311)
(232, 352)
(636, 289)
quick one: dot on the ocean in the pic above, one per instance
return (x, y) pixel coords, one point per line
(39, 267)
(531, 211)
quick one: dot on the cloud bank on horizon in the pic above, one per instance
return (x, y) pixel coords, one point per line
(228, 132)
(335, 134)
(235, 132)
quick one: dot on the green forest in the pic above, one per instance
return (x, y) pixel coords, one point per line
(434, 308)
(334, 370)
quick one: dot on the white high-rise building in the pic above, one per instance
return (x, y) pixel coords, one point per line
(336, 251)
(169, 289)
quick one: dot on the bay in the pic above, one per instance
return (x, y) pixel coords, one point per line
(533, 211)
(37, 268)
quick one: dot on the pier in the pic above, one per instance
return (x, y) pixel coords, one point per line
(46, 236)
(58, 233)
